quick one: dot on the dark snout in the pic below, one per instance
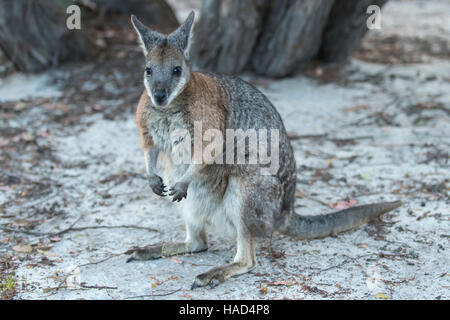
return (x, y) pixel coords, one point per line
(160, 97)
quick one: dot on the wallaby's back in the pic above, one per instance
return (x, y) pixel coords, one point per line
(250, 109)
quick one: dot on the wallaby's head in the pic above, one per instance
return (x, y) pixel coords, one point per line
(167, 63)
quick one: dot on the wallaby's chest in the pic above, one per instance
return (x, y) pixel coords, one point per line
(167, 130)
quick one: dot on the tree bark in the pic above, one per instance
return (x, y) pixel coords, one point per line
(156, 14)
(277, 38)
(227, 33)
(34, 35)
(345, 28)
(271, 38)
(290, 36)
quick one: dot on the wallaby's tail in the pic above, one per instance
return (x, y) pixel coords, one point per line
(319, 226)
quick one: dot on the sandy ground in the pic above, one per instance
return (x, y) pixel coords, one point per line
(379, 133)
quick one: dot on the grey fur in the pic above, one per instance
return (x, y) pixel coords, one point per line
(181, 38)
(162, 80)
(148, 38)
(319, 226)
(237, 199)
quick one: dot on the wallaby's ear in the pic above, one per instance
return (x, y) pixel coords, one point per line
(147, 37)
(182, 37)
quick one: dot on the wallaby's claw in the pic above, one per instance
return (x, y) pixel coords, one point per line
(157, 185)
(160, 191)
(179, 191)
(177, 197)
(208, 279)
(194, 285)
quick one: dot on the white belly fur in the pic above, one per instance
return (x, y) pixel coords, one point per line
(201, 207)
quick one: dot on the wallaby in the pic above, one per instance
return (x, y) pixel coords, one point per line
(237, 198)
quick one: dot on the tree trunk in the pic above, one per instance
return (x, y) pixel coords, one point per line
(272, 38)
(345, 28)
(227, 33)
(277, 38)
(290, 36)
(156, 14)
(34, 35)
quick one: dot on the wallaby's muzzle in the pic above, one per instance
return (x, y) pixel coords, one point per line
(160, 97)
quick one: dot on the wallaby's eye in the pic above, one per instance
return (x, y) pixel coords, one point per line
(177, 71)
(148, 71)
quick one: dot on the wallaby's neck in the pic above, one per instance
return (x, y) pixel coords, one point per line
(190, 89)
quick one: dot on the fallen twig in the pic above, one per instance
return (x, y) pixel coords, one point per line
(154, 295)
(302, 194)
(107, 227)
(70, 229)
(82, 285)
(306, 136)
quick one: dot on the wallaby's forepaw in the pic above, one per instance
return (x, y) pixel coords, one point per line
(157, 185)
(210, 279)
(146, 253)
(179, 191)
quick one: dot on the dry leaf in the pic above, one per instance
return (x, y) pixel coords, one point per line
(358, 107)
(176, 260)
(299, 194)
(340, 205)
(263, 289)
(57, 106)
(24, 248)
(283, 283)
(47, 253)
(21, 222)
(381, 296)
(20, 106)
(4, 142)
(291, 134)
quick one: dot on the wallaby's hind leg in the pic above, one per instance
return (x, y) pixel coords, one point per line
(251, 212)
(196, 241)
(244, 261)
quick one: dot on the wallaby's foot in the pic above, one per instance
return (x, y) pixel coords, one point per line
(146, 253)
(216, 276)
(179, 191)
(157, 185)
(244, 261)
(157, 251)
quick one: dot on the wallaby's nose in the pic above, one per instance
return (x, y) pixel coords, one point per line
(160, 96)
